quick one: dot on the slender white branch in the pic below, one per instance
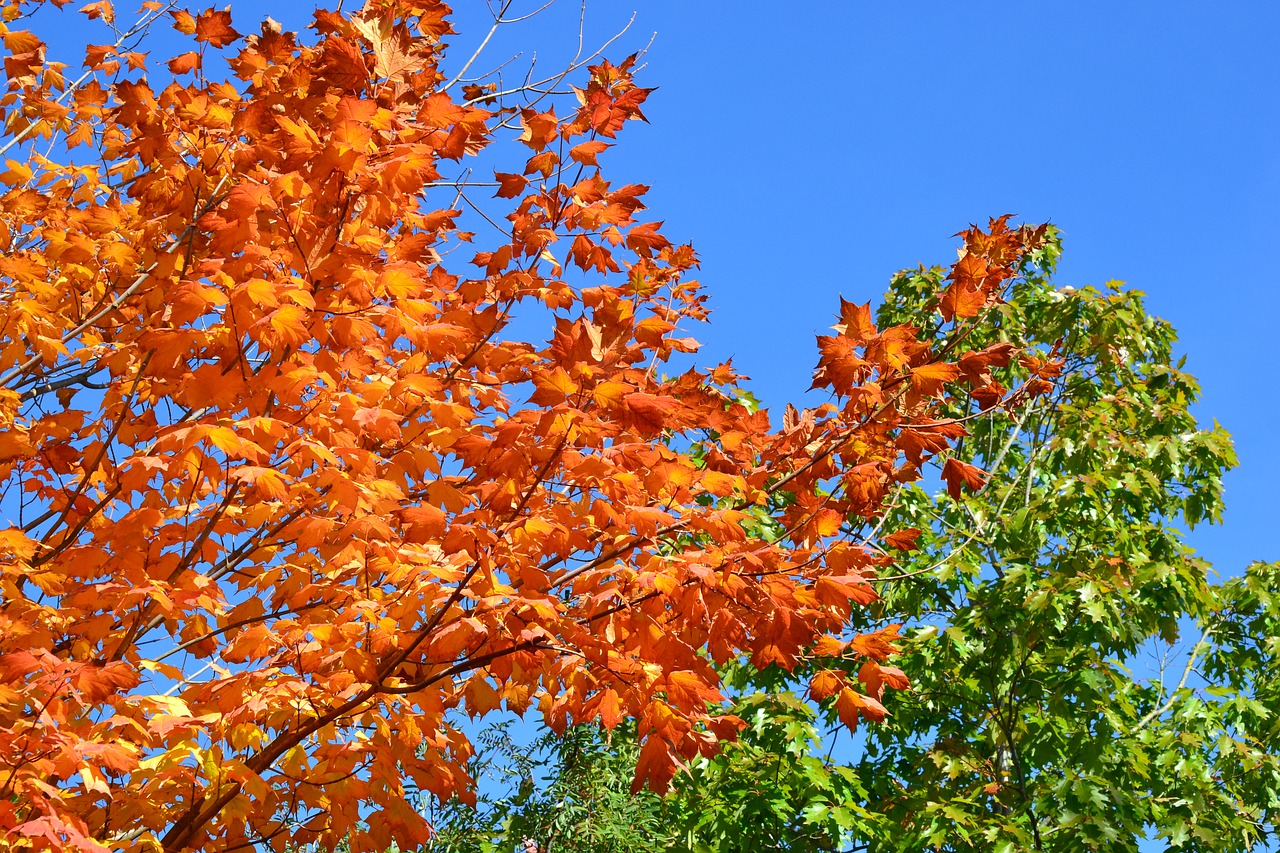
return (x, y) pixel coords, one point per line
(1182, 682)
(546, 85)
(497, 22)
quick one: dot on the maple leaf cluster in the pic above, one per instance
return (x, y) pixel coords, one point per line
(286, 491)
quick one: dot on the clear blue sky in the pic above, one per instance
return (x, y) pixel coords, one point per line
(813, 151)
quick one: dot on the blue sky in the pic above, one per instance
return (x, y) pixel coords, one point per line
(813, 151)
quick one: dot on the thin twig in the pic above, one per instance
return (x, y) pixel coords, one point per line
(497, 22)
(1182, 682)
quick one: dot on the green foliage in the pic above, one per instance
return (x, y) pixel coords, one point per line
(773, 790)
(1032, 605)
(1079, 680)
(568, 793)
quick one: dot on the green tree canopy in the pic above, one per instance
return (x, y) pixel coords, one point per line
(1079, 678)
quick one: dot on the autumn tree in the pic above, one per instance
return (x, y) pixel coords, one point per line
(1081, 679)
(296, 467)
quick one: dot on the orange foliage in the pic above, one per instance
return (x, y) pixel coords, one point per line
(286, 489)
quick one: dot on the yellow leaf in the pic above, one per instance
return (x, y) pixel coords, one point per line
(397, 283)
(610, 393)
(18, 173)
(266, 480)
(288, 321)
(720, 485)
(260, 292)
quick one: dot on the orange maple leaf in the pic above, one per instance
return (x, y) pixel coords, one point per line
(212, 26)
(958, 474)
